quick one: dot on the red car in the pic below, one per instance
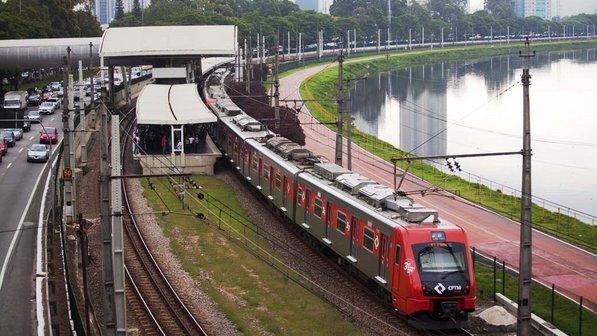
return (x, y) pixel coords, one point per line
(3, 147)
(48, 135)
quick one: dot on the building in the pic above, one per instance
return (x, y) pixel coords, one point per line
(106, 9)
(320, 6)
(540, 8)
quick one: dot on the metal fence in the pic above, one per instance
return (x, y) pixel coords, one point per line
(569, 312)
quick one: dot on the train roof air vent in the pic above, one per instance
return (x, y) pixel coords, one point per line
(227, 106)
(247, 123)
(288, 149)
(352, 183)
(410, 211)
(330, 170)
(375, 194)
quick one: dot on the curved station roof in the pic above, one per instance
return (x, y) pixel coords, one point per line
(166, 104)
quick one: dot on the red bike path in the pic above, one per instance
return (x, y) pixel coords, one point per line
(572, 270)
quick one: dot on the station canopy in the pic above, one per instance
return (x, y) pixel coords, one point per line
(166, 104)
(142, 43)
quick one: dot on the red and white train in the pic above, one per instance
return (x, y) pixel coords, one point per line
(420, 263)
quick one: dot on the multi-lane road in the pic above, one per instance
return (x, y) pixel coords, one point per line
(21, 188)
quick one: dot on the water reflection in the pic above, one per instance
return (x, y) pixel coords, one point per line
(475, 106)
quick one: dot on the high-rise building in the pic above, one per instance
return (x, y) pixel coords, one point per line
(320, 6)
(106, 9)
(540, 8)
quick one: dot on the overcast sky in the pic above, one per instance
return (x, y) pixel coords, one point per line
(567, 7)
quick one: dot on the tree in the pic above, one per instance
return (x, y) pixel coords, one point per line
(137, 9)
(503, 9)
(119, 10)
(449, 11)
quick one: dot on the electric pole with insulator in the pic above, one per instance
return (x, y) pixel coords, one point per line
(524, 326)
(340, 102)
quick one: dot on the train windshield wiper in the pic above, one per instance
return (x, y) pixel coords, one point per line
(459, 270)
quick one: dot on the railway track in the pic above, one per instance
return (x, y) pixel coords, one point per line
(151, 299)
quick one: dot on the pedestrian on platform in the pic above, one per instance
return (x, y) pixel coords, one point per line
(164, 142)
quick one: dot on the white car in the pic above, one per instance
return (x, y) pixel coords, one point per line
(47, 108)
(55, 86)
(56, 101)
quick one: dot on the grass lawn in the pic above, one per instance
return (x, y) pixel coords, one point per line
(323, 86)
(566, 312)
(255, 296)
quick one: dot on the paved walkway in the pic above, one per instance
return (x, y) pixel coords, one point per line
(572, 270)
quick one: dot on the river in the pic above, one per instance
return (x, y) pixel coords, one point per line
(475, 106)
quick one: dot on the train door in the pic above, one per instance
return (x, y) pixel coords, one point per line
(272, 179)
(383, 257)
(307, 204)
(285, 190)
(328, 219)
(354, 242)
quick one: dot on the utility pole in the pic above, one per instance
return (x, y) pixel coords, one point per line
(340, 102)
(69, 188)
(92, 103)
(524, 326)
(249, 67)
(82, 118)
(84, 246)
(108, 276)
(348, 127)
(276, 89)
(117, 230)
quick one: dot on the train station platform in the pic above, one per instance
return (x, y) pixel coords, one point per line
(171, 132)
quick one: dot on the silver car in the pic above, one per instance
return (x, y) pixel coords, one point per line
(38, 153)
(34, 116)
(18, 132)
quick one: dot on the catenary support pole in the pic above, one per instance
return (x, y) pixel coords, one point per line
(69, 196)
(340, 102)
(524, 326)
(117, 230)
(82, 118)
(106, 225)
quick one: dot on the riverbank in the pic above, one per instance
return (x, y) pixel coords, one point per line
(323, 86)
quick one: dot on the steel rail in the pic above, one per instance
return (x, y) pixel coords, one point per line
(178, 311)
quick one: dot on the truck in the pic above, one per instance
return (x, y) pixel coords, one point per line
(13, 110)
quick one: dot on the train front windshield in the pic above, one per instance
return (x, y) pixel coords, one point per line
(441, 261)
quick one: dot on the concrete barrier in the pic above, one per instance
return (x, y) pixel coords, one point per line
(539, 324)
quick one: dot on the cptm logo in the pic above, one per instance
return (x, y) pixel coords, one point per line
(440, 288)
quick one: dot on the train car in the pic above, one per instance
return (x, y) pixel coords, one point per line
(419, 263)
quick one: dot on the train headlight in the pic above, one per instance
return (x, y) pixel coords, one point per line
(438, 236)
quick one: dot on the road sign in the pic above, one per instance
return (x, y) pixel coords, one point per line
(67, 174)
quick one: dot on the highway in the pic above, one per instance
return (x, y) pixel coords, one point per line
(21, 185)
(572, 270)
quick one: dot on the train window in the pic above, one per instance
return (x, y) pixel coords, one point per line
(318, 211)
(341, 221)
(278, 181)
(254, 163)
(397, 257)
(266, 171)
(299, 197)
(368, 238)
